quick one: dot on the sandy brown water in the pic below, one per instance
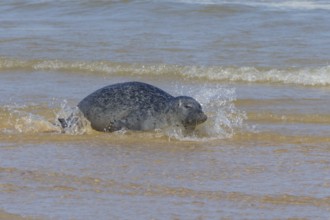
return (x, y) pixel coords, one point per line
(120, 176)
(260, 69)
(274, 164)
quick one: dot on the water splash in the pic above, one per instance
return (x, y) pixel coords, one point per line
(20, 120)
(224, 119)
(76, 123)
(25, 119)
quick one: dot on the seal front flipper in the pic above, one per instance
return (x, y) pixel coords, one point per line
(63, 122)
(76, 123)
(71, 120)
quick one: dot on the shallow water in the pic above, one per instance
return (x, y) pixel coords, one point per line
(259, 69)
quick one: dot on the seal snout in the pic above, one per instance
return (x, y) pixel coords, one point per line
(203, 117)
(197, 118)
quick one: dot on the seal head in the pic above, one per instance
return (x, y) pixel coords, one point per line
(187, 111)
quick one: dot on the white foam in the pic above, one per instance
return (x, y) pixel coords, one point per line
(300, 76)
(298, 5)
(308, 76)
(279, 5)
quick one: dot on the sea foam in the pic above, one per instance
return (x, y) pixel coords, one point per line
(302, 76)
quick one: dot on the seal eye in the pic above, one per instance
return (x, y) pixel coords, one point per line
(188, 106)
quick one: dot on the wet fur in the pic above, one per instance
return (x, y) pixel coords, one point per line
(138, 106)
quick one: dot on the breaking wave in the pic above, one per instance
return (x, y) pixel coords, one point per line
(275, 5)
(308, 76)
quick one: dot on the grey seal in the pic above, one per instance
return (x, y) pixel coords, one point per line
(138, 106)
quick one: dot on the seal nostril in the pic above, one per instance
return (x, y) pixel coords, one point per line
(204, 117)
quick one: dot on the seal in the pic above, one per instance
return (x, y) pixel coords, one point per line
(138, 106)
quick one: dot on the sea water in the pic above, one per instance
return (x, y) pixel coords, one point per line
(260, 70)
